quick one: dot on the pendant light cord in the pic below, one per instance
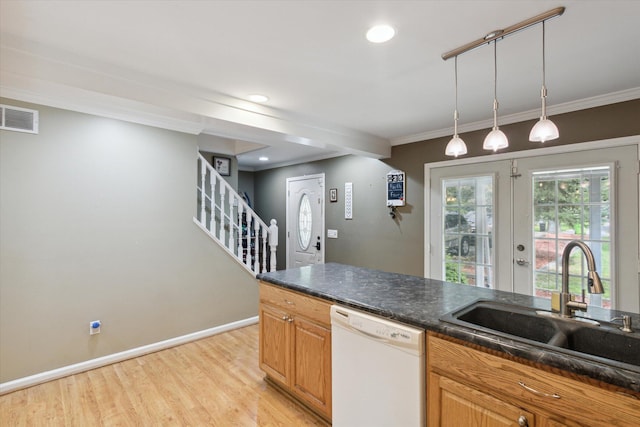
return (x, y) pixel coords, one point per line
(543, 58)
(455, 113)
(543, 93)
(495, 84)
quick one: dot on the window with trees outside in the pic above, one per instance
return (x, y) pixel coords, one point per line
(466, 230)
(567, 205)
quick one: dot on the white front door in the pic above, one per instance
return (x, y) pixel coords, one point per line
(305, 220)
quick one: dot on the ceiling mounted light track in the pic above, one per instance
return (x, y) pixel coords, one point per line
(544, 130)
(504, 32)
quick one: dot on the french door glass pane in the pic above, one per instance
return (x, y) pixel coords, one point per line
(467, 216)
(567, 205)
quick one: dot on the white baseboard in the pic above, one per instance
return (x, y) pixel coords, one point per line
(54, 374)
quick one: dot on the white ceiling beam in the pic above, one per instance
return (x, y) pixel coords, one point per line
(59, 83)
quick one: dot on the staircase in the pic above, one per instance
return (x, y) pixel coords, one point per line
(227, 218)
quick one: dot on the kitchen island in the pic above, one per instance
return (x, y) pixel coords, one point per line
(422, 302)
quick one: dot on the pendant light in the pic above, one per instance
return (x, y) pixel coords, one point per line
(496, 139)
(544, 129)
(456, 147)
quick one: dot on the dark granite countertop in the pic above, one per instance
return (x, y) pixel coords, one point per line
(422, 302)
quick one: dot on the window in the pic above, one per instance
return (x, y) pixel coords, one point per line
(305, 222)
(467, 213)
(572, 204)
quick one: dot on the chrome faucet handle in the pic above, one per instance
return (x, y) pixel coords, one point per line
(626, 323)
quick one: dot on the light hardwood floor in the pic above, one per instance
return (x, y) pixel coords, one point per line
(211, 382)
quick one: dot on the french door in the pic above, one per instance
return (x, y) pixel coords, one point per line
(518, 215)
(468, 205)
(591, 196)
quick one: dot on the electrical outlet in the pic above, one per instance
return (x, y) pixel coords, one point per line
(94, 327)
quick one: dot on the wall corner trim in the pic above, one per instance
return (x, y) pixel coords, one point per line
(88, 365)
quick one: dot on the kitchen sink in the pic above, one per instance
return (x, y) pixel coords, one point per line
(509, 319)
(578, 336)
(607, 343)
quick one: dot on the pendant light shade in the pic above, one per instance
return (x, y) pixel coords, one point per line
(496, 139)
(456, 147)
(544, 129)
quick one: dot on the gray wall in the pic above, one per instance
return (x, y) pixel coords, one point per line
(246, 184)
(374, 240)
(96, 223)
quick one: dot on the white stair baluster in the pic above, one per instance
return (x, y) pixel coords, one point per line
(256, 244)
(240, 236)
(273, 243)
(263, 257)
(247, 258)
(212, 219)
(232, 222)
(203, 200)
(222, 191)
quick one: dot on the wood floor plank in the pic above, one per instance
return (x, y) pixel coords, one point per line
(215, 381)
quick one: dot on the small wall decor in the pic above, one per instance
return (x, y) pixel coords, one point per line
(333, 195)
(395, 188)
(222, 165)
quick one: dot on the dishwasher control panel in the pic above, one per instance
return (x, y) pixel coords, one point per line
(380, 330)
(377, 327)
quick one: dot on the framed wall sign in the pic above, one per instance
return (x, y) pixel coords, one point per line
(395, 188)
(222, 165)
(333, 195)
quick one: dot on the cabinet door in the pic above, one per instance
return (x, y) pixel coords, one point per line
(311, 376)
(275, 343)
(453, 404)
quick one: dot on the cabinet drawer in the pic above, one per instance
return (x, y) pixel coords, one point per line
(294, 302)
(518, 383)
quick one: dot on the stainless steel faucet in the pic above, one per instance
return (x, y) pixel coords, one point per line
(563, 302)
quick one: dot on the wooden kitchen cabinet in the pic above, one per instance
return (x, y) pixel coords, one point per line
(295, 345)
(466, 386)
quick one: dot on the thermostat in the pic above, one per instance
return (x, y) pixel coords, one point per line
(395, 188)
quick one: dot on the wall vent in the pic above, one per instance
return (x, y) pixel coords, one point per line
(18, 119)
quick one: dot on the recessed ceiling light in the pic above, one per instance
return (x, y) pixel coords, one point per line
(263, 159)
(380, 33)
(256, 97)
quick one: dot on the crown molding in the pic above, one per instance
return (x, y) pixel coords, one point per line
(567, 107)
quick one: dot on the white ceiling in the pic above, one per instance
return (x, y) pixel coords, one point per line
(189, 65)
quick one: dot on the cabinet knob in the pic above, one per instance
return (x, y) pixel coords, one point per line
(290, 319)
(522, 421)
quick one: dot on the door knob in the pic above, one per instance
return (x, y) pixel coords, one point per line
(521, 261)
(318, 246)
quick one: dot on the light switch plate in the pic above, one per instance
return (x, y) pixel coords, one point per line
(332, 234)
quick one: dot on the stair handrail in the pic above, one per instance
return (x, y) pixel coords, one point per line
(246, 227)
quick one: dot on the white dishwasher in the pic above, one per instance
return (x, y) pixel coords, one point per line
(378, 371)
